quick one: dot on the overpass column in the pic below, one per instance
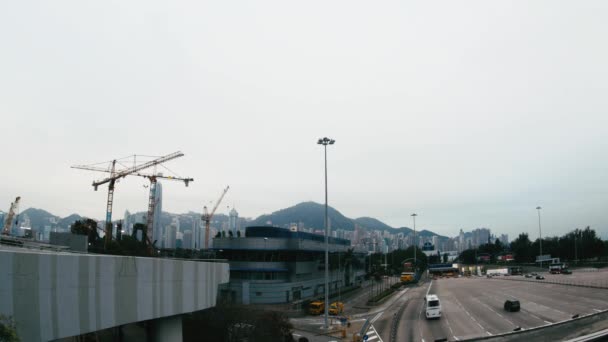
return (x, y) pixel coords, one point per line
(168, 329)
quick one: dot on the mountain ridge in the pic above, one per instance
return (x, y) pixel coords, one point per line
(309, 213)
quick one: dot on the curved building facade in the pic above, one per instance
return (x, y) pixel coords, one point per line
(271, 265)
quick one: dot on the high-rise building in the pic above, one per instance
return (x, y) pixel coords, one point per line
(504, 239)
(233, 221)
(187, 239)
(461, 246)
(170, 236)
(435, 240)
(126, 223)
(2, 218)
(158, 230)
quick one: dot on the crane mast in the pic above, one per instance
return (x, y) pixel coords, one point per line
(8, 222)
(116, 175)
(207, 216)
(152, 202)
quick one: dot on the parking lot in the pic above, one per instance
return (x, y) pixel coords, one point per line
(473, 307)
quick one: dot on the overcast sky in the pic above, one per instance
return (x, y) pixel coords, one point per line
(469, 113)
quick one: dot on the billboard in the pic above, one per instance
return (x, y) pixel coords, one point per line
(544, 257)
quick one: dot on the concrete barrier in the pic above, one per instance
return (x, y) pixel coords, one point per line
(56, 295)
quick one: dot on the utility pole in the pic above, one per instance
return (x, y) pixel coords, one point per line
(415, 244)
(540, 238)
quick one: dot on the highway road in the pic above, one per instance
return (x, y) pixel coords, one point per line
(473, 307)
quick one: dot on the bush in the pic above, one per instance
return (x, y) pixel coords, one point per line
(237, 323)
(8, 330)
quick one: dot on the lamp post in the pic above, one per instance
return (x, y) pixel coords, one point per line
(415, 245)
(326, 141)
(575, 252)
(540, 239)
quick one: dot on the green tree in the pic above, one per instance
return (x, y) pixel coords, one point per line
(236, 323)
(8, 330)
(86, 227)
(467, 256)
(522, 248)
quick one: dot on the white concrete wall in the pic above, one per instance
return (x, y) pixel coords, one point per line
(56, 295)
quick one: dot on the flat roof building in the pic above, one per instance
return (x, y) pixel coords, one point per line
(272, 265)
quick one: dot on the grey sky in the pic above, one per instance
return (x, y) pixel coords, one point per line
(469, 113)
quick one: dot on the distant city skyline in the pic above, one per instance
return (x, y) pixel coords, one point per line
(232, 217)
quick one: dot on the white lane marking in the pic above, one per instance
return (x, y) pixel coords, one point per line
(471, 316)
(533, 315)
(377, 316)
(372, 334)
(596, 310)
(489, 333)
(429, 289)
(420, 319)
(357, 320)
(494, 311)
(445, 315)
(548, 307)
(526, 311)
(547, 322)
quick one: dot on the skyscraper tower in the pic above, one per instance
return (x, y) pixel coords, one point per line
(158, 228)
(233, 218)
(461, 245)
(126, 222)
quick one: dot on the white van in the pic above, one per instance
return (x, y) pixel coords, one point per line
(433, 307)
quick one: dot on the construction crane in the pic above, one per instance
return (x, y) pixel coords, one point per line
(8, 222)
(116, 175)
(152, 202)
(207, 216)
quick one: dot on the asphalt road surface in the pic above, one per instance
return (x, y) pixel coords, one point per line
(473, 307)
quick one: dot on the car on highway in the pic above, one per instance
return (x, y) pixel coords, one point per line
(512, 305)
(566, 271)
(433, 307)
(528, 276)
(540, 277)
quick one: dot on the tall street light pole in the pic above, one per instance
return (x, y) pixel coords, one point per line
(326, 141)
(540, 239)
(415, 245)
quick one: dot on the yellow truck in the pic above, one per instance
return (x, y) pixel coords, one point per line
(407, 277)
(316, 308)
(336, 308)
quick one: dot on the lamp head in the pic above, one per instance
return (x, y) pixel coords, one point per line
(325, 141)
